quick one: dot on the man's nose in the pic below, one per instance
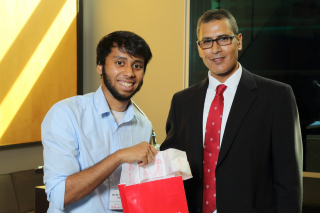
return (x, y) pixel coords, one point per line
(128, 71)
(215, 47)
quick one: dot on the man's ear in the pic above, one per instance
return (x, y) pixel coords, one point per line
(99, 69)
(239, 38)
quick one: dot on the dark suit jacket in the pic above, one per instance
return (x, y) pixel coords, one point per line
(259, 167)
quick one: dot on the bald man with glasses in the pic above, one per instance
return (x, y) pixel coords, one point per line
(240, 131)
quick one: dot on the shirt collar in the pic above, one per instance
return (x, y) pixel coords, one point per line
(130, 113)
(231, 83)
(102, 106)
(100, 101)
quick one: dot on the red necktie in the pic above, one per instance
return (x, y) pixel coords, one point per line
(211, 150)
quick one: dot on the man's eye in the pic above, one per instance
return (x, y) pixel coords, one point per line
(119, 63)
(224, 38)
(137, 66)
(206, 41)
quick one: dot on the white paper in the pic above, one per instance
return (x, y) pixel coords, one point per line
(166, 164)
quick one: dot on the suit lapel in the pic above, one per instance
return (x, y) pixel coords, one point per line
(196, 100)
(242, 102)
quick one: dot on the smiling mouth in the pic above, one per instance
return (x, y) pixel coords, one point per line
(217, 60)
(126, 84)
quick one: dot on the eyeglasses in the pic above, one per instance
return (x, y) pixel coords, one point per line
(221, 41)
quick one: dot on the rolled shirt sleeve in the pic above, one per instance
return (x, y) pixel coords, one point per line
(61, 153)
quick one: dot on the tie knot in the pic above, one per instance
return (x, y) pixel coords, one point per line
(220, 89)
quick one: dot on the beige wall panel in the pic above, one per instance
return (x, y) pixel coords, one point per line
(19, 158)
(162, 25)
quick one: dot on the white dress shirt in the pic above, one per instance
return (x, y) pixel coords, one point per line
(228, 95)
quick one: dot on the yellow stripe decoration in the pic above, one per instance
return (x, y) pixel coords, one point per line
(40, 57)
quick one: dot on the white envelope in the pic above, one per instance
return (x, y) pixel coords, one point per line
(166, 164)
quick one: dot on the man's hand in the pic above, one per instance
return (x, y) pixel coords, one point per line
(142, 152)
(82, 183)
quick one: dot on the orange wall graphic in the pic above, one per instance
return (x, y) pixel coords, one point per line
(38, 64)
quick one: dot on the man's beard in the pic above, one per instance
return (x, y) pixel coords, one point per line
(113, 90)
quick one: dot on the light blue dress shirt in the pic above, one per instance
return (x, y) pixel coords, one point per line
(79, 132)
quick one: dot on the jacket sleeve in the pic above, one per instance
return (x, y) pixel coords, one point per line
(171, 129)
(287, 154)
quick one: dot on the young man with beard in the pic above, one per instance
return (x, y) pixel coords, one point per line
(87, 138)
(241, 132)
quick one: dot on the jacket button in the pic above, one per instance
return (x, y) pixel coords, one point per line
(199, 210)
